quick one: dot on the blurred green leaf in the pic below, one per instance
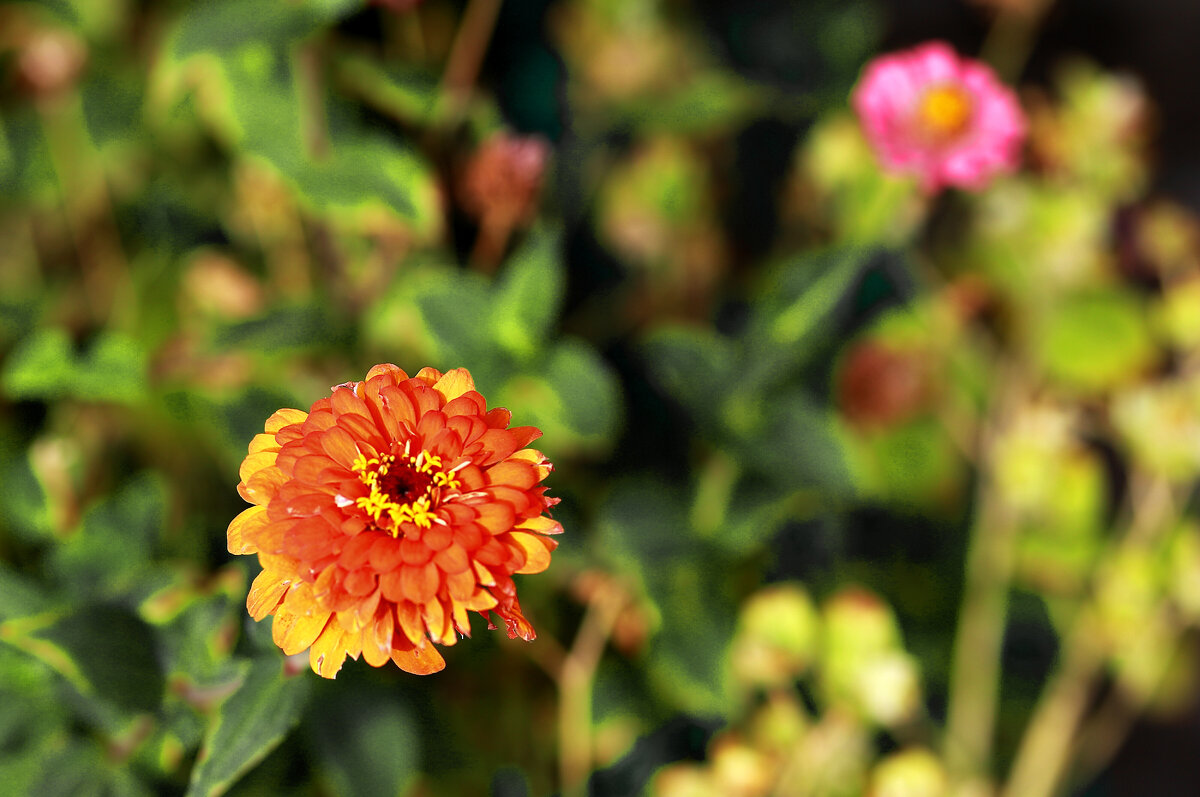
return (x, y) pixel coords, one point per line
(299, 327)
(366, 740)
(45, 365)
(248, 725)
(588, 394)
(452, 308)
(1096, 340)
(225, 25)
(527, 297)
(116, 541)
(403, 93)
(801, 295)
(23, 501)
(244, 52)
(104, 651)
(695, 366)
(710, 102)
(20, 596)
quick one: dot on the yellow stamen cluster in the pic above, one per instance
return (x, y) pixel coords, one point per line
(945, 110)
(380, 504)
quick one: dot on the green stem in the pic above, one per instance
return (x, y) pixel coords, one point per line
(466, 54)
(1044, 753)
(991, 559)
(575, 683)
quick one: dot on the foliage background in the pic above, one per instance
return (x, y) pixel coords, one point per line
(710, 301)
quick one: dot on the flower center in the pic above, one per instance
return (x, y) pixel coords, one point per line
(944, 111)
(404, 488)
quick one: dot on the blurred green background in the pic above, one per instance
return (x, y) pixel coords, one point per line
(805, 419)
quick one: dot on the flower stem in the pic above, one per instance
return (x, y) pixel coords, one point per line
(991, 558)
(467, 52)
(1044, 753)
(576, 678)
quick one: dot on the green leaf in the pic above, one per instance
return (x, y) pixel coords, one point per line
(801, 296)
(789, 441)
(41, 366)
(106, 652)
(286, 328)
(694, 366)
(115, 543)
(249, 725)
(452, 308)
(366, 740)
(709, 102)
(527, 297)
(336, 164)
(228, 24)
(22, 498)
(401, 92)
(20, 596)
(46, 366)
(687, 661)
(573, 398)
(1096, 340)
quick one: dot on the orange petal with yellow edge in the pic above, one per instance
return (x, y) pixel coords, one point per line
(253, 463)
(454, 383)
(285, 417)
(537, 555)
(419, 661)
(328, 651)
(266, 593)
(294, 632)
(244, 528)
(541, 525)
(263, 442)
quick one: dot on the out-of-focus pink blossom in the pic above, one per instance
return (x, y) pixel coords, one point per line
(946, 119)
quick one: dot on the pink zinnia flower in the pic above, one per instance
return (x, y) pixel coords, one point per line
(946, 119)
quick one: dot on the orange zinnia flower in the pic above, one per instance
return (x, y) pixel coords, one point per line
(387, 512)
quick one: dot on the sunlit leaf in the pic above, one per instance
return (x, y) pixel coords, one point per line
(526, 299)
(46, 366)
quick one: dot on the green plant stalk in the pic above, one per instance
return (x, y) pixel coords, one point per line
(1052, 740)
(1045, 749)
(990, 561)
(576, 680)
(975, 677)
(466, 54)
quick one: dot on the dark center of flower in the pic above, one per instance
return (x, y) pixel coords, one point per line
(404, 488)
(403, 484)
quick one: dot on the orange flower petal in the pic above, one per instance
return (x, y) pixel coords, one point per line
(541, 525)
(283, 418)
(537, 554)
(420, 582)
(392, 372)
(454, 383)
(377, 640)
(419, 661)
(244, 528)
(266, 593)
(328, 651)
(263, 442)
(294, 632)
(437, 620)
(253, 463)
(408, 616)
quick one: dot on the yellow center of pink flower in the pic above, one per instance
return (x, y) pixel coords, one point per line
(944, 111)
(404, 488)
